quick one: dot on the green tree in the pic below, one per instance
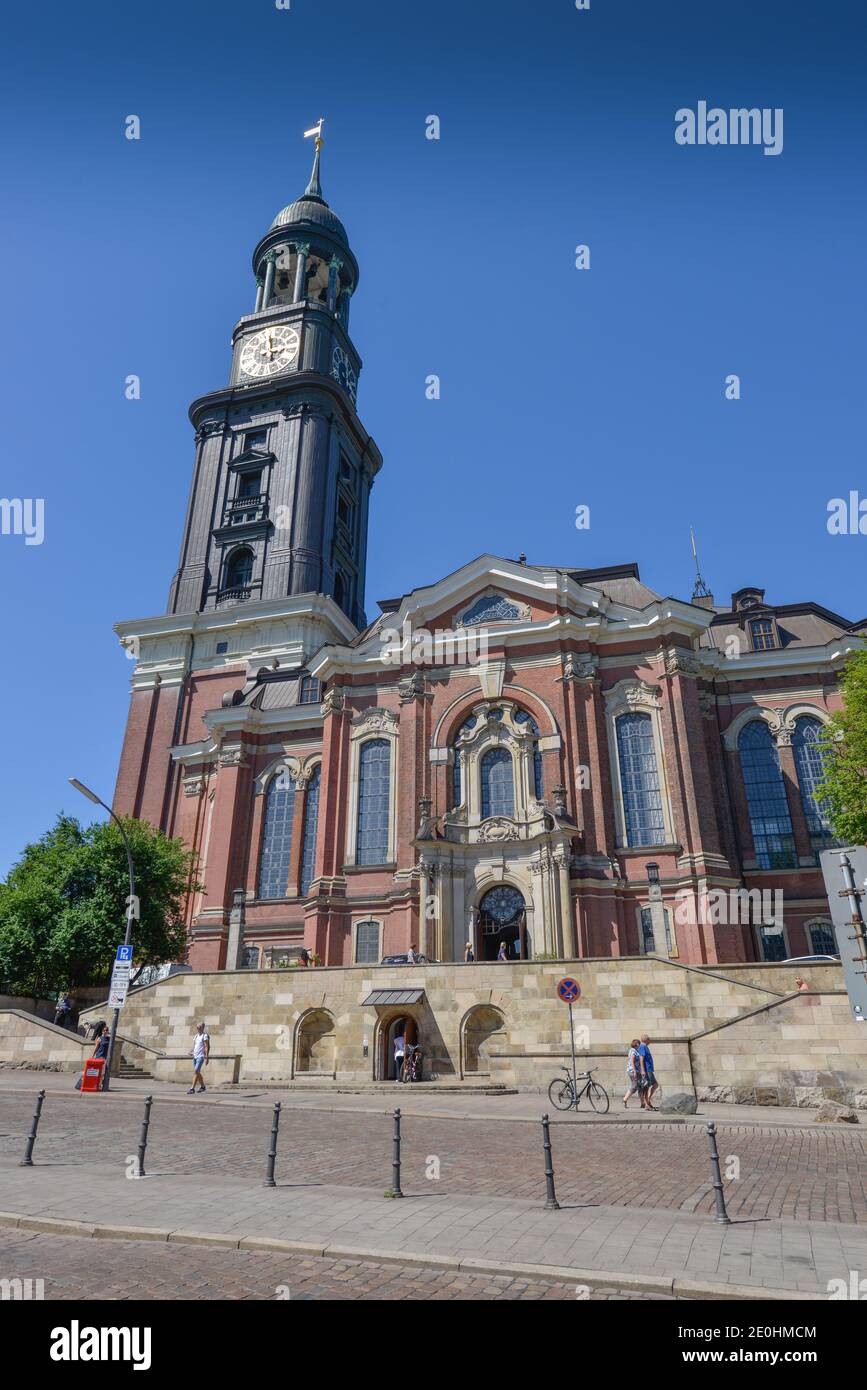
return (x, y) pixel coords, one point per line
(63, 906)
(843, 790)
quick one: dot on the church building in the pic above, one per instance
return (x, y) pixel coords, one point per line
(537, 760)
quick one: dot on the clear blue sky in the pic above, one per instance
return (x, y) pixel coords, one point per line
(559, 387)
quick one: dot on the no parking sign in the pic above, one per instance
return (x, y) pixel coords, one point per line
(568, 990)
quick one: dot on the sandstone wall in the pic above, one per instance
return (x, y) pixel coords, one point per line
(504, 1022)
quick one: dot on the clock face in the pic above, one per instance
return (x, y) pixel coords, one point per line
(341, 370)
(268, 351)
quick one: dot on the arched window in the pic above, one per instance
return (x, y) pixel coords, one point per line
(766, 797)
(822, 941)
(374, 775)
(522, 717)
(311, 818)
(456, 769)
(639, 779)
(807, 749)
(239, 570)
(277, 837)
(498, 789)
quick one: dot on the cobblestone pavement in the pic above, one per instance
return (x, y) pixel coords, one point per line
(77, 1268)
(802, 1174)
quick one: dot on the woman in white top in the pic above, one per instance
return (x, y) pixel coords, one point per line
(633, 1072)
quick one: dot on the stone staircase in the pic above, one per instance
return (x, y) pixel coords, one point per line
(127, 1071)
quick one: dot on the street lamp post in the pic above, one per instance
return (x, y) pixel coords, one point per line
(657, 911)
(130, 913)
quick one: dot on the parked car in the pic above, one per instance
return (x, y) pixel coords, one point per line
(811, 960)
(402, 960)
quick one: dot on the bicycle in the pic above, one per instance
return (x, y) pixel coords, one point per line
(412, 1065)
(563, 1094)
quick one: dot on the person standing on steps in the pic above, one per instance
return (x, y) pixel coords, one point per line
(201, 1052)
(502, 954)
(469, 953)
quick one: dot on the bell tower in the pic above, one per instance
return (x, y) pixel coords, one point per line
(283, 468)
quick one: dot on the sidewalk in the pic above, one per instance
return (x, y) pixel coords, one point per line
(420, 1100)
(662, 1251)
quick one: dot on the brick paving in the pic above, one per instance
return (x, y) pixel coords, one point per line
(77, 1268)
(798, 1173)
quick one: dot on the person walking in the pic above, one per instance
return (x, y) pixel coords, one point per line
(502, 954)
(633, 1073)
(63, 1011)
(469, 953)
(649, 1083)
(399, 1054)
(411, 957)
(201, 1051)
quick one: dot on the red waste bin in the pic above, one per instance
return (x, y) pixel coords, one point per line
(92, 1078)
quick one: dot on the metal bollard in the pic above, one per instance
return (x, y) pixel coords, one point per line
(395, 1162)
(272, 1152)
(143, 1138)
(27, 1160)
(551, 1203)
(721, 1213)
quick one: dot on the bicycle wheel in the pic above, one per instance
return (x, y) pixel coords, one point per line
(598, 1097)
(560, 1093)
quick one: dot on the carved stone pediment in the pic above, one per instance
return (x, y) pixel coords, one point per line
(375, 718)
(497, 829)
(634, 692)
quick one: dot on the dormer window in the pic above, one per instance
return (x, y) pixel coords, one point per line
(762, 634)
(310, 691)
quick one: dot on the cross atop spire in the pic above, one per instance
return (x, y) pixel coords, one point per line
(314, 188)
(701, 591)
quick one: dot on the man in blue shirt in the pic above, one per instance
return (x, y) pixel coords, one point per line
(648, 1076)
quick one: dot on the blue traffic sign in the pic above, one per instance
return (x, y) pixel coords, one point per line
(124, 953)
(569, 990)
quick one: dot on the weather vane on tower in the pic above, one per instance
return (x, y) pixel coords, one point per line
(317, 131)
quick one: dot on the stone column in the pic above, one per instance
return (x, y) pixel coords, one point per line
(269, 279)
(803, 847)
(260, 286)
(235, 942)
(334, 266)
(567, 924)
(343, 306)
(303, 250)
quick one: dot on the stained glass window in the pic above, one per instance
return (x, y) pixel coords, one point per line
(639, 779)
(498, 791)
(374, 767)
(807, 749)
(766, 798)
(277, 837)
(367, 943)
(311, 818)
(491, 608)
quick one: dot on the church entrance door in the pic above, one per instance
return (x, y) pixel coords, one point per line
(503, 920)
